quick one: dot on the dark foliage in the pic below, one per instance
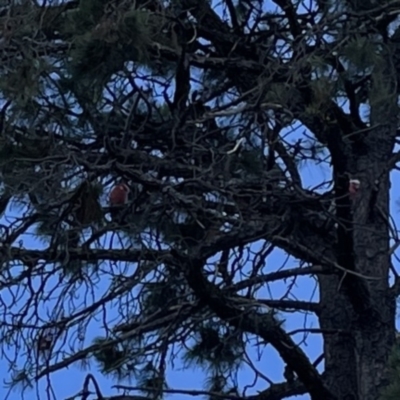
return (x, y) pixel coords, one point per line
(211, 115)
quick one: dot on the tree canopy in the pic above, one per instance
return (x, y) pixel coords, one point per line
(202, 119)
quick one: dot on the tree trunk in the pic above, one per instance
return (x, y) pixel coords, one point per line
(356, 359)
(339, 348)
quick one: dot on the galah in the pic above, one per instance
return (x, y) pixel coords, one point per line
(354, 186)
(119, 195)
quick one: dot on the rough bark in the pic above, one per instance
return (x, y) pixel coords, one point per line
(353, 259)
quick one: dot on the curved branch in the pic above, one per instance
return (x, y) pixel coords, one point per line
(263, 325)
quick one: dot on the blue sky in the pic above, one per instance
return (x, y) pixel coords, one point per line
(66, 383)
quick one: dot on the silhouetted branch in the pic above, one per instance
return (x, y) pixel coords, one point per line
(262, 325)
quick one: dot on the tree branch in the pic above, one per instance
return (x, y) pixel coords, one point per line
(280, 391)
(291, 305)
(275, 276)
(262, 325)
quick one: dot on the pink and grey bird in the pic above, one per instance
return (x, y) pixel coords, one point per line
(354, 186)
(119, 195)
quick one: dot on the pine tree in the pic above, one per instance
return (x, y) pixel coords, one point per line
(207, 118)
